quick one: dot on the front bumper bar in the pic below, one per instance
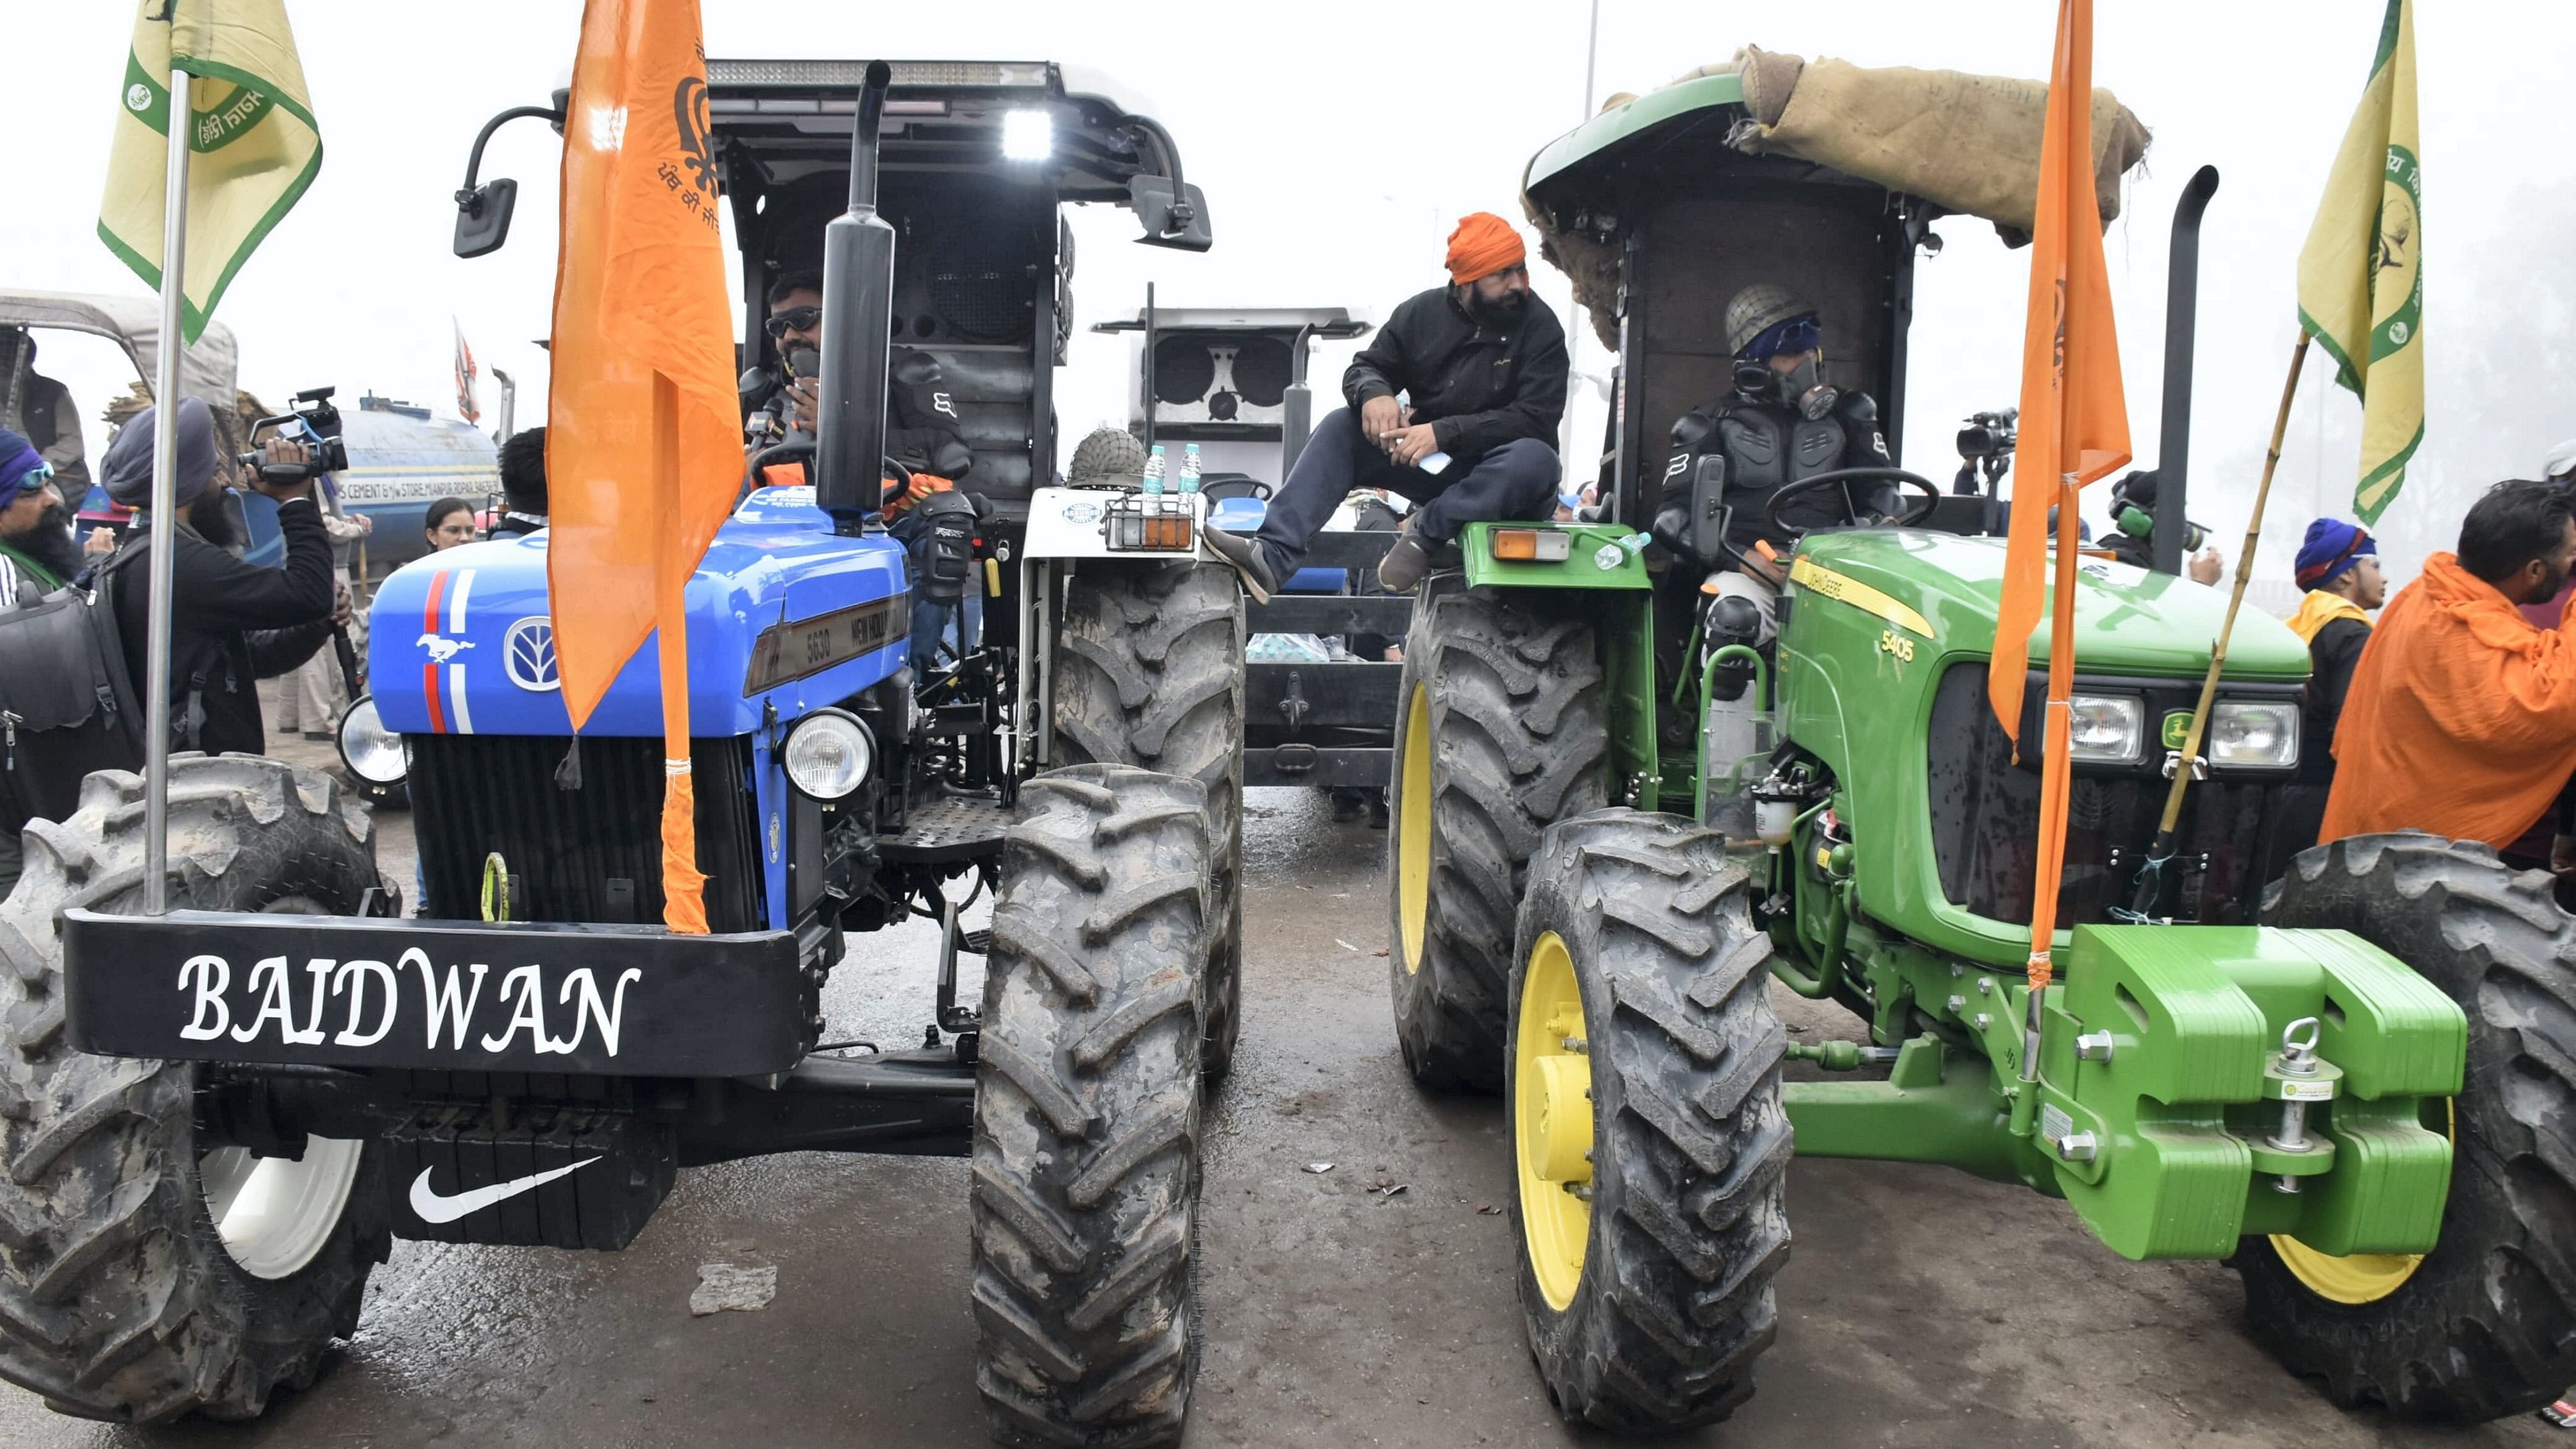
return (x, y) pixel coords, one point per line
(338, 991)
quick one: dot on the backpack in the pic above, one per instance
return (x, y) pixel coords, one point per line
(67, 705)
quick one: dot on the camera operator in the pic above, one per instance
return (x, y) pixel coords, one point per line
(232, 623)
(923, 431)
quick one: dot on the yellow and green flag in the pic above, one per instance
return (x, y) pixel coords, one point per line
(2361, 285)
(252, 144)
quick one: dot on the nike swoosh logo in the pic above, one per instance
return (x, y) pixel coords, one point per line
(434, 1208)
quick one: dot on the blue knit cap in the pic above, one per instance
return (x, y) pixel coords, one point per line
(2331, 547)
(22, 468)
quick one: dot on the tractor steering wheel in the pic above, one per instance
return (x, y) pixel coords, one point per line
(1906, 517)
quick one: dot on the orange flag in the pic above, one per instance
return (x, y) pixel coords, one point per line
(2074, 429)
(643, 440)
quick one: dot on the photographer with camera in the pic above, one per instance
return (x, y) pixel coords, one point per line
(232, 623)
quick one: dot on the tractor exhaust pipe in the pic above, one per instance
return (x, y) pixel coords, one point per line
(858, 315)
(2182, 310)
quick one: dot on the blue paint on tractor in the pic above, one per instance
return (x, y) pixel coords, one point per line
(483, 662)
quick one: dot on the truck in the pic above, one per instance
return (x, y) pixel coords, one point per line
(2354, 1083)
(217, 1119)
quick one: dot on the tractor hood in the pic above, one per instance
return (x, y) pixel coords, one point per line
(460, 642)
(2128, 621)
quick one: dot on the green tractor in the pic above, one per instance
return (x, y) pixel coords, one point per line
(2355, 1083)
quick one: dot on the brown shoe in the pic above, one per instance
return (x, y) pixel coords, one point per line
(1248, 559)
(1406, 561)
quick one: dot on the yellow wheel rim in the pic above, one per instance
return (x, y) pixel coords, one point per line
(1552, 1121)
(1413, 830)
(2360, 1277)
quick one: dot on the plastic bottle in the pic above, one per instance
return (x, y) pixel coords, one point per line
(1189, 467)
(1154, 470)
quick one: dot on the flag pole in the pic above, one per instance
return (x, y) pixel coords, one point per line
(165, 448)
(2144, 899)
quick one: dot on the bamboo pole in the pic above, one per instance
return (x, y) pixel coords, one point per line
(2151, 873)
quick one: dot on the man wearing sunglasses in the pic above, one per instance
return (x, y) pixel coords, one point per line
(923, 430)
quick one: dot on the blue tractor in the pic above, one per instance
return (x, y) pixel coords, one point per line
(216, 1120)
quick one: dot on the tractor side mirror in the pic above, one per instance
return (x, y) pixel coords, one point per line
(1170, 220)
(483, 217)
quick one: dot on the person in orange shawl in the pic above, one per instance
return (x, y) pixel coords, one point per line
(2461, 718)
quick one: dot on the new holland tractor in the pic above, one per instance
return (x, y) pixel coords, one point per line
(2356, 1083)
(215, 1120)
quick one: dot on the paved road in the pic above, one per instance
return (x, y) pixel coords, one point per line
(1921, 1307)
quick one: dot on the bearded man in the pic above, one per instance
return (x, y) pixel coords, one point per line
(1454, 406)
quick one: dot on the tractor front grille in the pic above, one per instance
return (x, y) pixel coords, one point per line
(1985, 826)
(592, 854)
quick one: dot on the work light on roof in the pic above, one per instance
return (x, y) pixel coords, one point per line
(1027, 135)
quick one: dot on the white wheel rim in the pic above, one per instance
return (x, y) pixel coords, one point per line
(274, 1213)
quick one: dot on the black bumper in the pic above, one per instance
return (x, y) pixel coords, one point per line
(436, 995)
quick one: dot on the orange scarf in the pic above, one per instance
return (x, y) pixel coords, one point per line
(2319, 609)
(2461, 718)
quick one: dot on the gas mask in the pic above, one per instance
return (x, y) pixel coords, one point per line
(1802, 389)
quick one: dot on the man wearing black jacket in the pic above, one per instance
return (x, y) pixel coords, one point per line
(923, 430)
(523, 484)
(233, 623)
(1481, 365)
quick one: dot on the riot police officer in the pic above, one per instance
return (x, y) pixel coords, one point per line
(1782, 423)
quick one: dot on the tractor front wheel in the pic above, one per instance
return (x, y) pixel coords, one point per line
(145, 1272)
(1649, 1138)
(2484, 1325)
(1501, 730)
(1149, 672)
(1086, 1175)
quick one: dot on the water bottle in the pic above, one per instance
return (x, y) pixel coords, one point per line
(1154, 471)
(1189, 467)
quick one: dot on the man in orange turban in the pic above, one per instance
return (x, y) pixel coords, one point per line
(2461, 715)
(1454, 405)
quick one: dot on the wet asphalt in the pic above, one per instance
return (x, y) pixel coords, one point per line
(1920, 1307)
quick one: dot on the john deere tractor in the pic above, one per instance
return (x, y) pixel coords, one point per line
(215, 1120)
(2355, 1083)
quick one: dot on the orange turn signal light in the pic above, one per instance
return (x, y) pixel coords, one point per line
(1532, 545)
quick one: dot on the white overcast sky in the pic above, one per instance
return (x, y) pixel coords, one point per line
(1337, 144)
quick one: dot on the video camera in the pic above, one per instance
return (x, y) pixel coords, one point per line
(1986, 443)
(317, 425)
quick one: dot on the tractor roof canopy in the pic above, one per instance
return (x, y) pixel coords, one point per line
(1822, 177)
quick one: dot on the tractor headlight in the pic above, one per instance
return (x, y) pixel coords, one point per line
(2107, 729)
(2263, 734)
(373, 753)
(828, 754)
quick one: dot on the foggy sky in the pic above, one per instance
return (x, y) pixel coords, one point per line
(1337, 145)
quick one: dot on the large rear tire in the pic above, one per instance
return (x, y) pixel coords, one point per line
(1650, 1145)
(146, 1273)
(1149, 672)
(2484, 1325)
(1087, 1109)
(1501, 730)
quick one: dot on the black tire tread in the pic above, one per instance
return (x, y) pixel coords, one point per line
(117, 1299)
(1149, 672)
(2486, 1327)
(1087, 1120)
(1520, 739)
(1692, 1143)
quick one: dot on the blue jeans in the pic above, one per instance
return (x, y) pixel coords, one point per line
(1515, 481)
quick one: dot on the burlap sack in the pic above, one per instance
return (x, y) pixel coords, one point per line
(1967, 142)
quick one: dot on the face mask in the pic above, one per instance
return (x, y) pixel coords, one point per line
(1803, 388)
